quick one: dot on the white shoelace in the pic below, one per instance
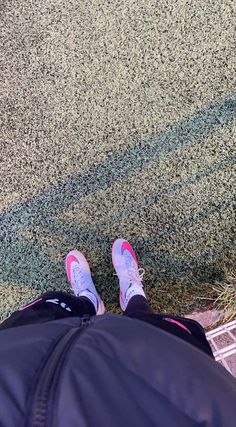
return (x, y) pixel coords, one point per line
(135, 275)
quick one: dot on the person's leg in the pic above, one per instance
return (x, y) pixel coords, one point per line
(134, 304)
(56, 305)
(50, 306)
(187, 329)
(138, 307)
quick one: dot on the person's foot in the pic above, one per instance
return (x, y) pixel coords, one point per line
(79, 276)
(130, 275)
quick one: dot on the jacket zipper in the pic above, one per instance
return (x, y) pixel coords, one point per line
(40, 405)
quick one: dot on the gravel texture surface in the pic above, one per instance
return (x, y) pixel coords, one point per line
(118, 120)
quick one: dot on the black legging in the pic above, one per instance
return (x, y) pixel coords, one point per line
(186, 329)
(56, 305)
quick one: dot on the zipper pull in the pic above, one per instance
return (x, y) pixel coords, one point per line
(86, 320)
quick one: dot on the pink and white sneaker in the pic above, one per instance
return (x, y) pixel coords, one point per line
(79, 276)
(130, 275)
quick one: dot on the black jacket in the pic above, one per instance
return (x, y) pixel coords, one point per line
(109, 371)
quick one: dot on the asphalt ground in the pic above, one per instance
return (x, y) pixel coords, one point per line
(117, 120)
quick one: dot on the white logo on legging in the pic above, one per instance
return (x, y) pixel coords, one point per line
(56, 301)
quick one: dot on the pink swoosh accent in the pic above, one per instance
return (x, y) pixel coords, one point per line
(69, 260)
(29, 305)
(177, 323)
(126, 246)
